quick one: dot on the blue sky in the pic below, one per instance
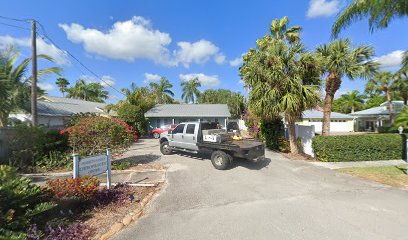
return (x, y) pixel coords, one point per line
(138, 41)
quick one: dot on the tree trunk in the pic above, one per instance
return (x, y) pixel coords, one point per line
(3, 119)
(294, 148)
(390, 106)
(333, 83)
(352, 109)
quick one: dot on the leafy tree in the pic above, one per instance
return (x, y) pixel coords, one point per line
(190, 90)
(382, 83)
(351, 101)
(89, 92)
(62, 83)
(341, 59)
(402, 118)
(400, 85)
(15, 86)
(375, 100)
(234, 100)
(162, 91)
(281, 78)
(379, 12)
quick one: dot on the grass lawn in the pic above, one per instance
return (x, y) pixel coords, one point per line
(390, 175)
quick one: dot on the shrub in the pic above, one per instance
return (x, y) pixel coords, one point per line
(82, 188)
(369, 147)
(117, 194)
(73, 231)
(28, 145)
(272, 133)
(54, 160)
(93, 135)
(20, 202)
(252, 123)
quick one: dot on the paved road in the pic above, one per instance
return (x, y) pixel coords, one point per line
(279, 199)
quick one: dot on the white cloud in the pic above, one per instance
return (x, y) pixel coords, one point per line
(150, 77)
(392, 59)
(107, 81)
(46, 86)
(236, 62)
(323, 8)
(206, 80)
(43, 47)
(197, 52)
(136, 39)
(219, 58)
(128, 40)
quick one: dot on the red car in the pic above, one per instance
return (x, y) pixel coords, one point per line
(156, 132)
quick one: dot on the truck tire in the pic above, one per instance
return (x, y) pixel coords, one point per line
(165, 148)
(221, 160)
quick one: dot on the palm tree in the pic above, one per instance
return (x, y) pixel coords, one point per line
(402, 118)
(162, 91)
(353, 100)
(128, 91)
(400, 85)
(281, 78)
(15, 87)
(190, 90)
(89, 92)
(279, 30)
(380, 13)
(340, 59)
(382, 82)
(62, 83)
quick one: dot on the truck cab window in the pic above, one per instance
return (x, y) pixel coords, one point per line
(190, 129)
(179, 129)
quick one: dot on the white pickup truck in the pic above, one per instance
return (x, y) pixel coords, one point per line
(194, 137)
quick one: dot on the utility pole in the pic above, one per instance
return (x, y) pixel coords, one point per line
(34, 73)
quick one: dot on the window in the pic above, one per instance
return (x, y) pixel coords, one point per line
(179, 129)
(190, 129)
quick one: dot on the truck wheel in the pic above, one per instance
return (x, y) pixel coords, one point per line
(156, 135)
(221, 160)
(165, 148)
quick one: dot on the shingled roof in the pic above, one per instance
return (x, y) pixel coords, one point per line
(59, 106)
(189, 110)
(316, 114)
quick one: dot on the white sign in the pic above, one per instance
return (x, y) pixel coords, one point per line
(92, 166)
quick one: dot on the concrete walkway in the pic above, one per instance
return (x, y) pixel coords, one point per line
(338, 165)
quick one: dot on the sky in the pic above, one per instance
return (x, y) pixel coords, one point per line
(140, 41)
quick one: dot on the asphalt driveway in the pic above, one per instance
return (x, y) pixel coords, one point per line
(275, 199)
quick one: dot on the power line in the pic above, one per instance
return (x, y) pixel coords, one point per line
(76, 59)
(15, 26)
(16, 19)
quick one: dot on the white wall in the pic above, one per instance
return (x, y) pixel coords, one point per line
(306, 133)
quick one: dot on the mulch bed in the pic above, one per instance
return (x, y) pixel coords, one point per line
(299, 156)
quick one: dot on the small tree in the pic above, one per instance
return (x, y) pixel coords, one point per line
(93, 135)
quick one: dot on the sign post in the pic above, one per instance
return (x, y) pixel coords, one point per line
(92, 166)
(108, 170)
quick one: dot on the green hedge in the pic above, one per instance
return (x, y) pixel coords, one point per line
(369, 147)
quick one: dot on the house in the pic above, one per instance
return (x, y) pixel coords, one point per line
(163, 114)
(56, 111)
(369, 120)
(339, 122)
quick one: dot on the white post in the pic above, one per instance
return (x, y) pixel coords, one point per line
(108, 171)
(75, 170)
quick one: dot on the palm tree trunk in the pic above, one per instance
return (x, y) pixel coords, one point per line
(294, 148)
(390, 106)
(333, 83)
(352, 109)
(3, 119)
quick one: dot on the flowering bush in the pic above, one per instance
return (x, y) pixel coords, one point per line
(117, 194)
(83, 188)
(94, 134)
(252, 123)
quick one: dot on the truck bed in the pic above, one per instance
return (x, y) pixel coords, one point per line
(231, 145)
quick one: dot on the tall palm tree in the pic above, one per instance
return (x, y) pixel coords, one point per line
(281, 78)
(382, 82)
(15, 86)
(190, 90)
(400, 85)
(279, 30)
(128, 91)
(341, 59)
(402, 118)
(62, 83)
(89, 92)
(379, 12)
(353, 100)
(162, 91)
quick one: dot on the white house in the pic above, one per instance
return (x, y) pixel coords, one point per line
(56, 111)
(339, 122)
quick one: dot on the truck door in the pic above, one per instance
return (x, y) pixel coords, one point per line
(177, 136)
(190, 137)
